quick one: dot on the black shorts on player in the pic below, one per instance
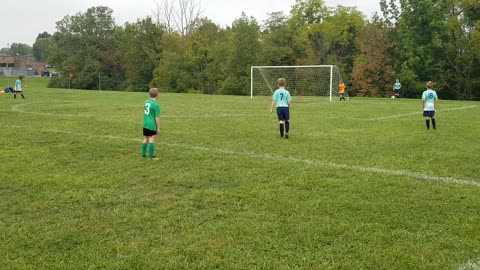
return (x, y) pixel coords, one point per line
(148, 132)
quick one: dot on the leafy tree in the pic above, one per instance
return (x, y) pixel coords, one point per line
(171, 74)
(5, 51)
(420, 29)
(140, 46)
(306, 20)
(462, 74)
(242, 52)
(41, 47)
(373, 67)
(20, 49)
(308, 12)
(343, 27)
(192, 62)
(279, 46)
(476, 41)
(203, 42)
(84, 46)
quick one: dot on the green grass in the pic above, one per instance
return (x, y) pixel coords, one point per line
(360, 185)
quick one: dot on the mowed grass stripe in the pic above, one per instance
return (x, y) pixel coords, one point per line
(417, 113)
(227, 193)
(287, 159)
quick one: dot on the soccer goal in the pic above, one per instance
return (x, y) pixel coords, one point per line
(311, 80)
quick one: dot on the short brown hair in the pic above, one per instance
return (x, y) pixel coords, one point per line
(281, 82)
(429, 85)
(153, 92)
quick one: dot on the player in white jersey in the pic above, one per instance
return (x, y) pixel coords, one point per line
(429, 100)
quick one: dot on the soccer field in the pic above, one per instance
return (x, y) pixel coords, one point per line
(359, 185)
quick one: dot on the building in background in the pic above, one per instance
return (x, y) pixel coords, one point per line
(20, 65)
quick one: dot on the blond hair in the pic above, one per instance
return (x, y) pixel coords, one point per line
(153, 92)
(429, 85)
(282, 82)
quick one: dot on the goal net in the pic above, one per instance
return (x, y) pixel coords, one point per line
(313, 80)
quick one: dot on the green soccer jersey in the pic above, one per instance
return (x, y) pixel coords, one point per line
(281, 97)
(397, 85)
(151, 110)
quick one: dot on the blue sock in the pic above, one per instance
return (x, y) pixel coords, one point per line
(427, 122)
(287, 127)
(281, 130)
(434, 124)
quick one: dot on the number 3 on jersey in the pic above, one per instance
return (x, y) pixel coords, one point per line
(147, 108)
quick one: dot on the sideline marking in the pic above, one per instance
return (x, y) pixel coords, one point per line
(470, 265)
(17, 108)
(415, 113)
(416, 175)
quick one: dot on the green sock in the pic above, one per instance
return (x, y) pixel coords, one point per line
(151, 149)
(144, 150)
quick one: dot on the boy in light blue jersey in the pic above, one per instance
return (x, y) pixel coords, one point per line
(18, 87)
(429, 100)
(396, 88)
(281, 99)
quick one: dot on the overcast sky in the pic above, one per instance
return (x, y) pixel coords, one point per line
(23, 20)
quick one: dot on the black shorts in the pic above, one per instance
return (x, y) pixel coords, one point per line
(283, 113)
(148, 132)
(430, 114)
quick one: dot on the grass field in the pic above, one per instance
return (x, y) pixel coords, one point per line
(359, 185)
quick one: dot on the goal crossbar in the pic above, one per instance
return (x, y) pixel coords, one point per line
(252, 68)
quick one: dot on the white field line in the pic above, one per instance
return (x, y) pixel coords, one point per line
(17, 108)
(471, 265)
(416, 113)
(253, 155)
(216, 115)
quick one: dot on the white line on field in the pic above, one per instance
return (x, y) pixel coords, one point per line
(416, 175)
(17, 108)
(470, 265)
(417, 113)
(216, 115)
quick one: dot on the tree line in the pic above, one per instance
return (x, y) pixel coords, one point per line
(178, 50)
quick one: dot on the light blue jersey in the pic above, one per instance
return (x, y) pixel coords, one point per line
(18, 85)
(429, 96)
(397, 85)
(281, 97)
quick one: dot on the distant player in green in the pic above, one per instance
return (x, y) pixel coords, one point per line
(396, 88)
(151, 123)
(18, 87)
(429, 100)
(281, 99)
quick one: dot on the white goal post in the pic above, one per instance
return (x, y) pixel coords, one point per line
(308, 80)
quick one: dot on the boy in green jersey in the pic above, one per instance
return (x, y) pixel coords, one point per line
(151, 123)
